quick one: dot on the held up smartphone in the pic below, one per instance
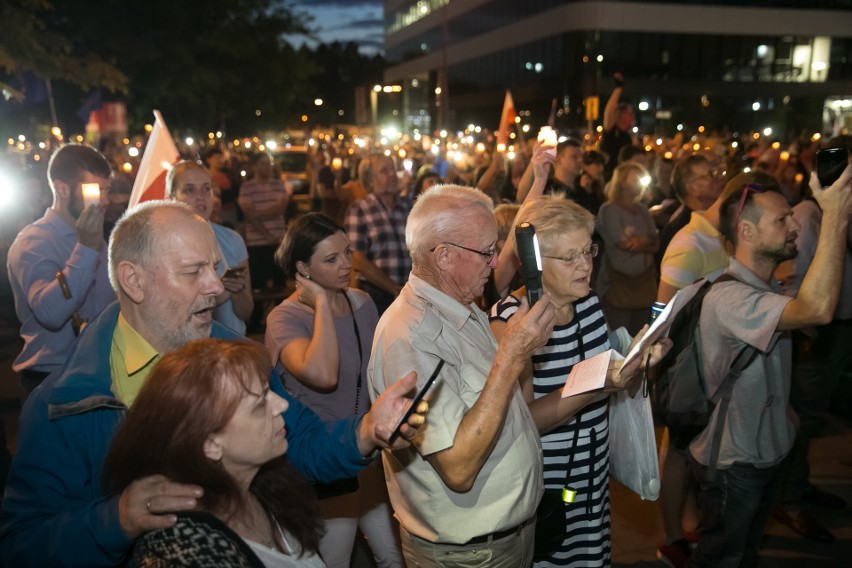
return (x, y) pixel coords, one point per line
(91, 194)
(415, 402)
(234, 272)
(830, 163)
(528, 252)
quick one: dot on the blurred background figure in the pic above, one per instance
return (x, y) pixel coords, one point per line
(263, 201)
(190, 183)
(58, 265)
(630, 240)
(375, 227)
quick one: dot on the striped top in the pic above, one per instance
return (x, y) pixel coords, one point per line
(583, 442)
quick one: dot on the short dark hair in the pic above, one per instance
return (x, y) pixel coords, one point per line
(593, 157)
(627, 152)
(301, 239)
(733, 191)
(565, 144)
(70, 161)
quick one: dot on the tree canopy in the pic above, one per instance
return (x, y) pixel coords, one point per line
(210, 64)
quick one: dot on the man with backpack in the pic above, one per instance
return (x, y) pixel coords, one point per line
(744, 326)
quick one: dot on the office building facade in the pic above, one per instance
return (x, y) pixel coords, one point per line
(723, 64)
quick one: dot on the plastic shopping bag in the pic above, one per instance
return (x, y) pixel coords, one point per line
(632, 445)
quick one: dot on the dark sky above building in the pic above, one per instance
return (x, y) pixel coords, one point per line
(346, 20)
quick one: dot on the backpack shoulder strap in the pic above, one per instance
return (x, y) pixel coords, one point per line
(723, 394)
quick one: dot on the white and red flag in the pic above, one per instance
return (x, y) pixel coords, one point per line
(507, 119)
(160, 155)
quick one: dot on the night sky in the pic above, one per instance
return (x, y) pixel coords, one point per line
(345, 20)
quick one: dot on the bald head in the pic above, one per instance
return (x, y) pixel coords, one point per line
(137, 234)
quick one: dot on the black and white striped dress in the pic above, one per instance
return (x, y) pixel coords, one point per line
(587, 540)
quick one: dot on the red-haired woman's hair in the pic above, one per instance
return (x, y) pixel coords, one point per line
(190, 394)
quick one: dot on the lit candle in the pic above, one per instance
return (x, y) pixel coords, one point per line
(91, 193)
(336, 163)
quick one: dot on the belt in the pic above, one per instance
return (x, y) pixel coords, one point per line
(488, 537)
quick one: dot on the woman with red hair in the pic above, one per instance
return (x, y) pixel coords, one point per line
(207, 417)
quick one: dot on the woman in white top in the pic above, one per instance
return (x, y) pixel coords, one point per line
(207, 417)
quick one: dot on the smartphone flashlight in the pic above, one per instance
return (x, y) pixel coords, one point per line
(91, 194)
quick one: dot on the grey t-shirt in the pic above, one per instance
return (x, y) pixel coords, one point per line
(292, 319)
(758, 428)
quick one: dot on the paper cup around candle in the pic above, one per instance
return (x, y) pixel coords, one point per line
(91, 194)
(336, 163)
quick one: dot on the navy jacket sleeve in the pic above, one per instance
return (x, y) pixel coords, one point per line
(321, 451)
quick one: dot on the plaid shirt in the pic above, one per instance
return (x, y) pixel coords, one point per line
(380, 235)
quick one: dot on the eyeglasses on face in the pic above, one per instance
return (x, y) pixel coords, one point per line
(590, 251)
(747, 190)
(488, 255)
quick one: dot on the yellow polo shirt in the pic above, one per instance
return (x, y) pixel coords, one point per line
(131, 358)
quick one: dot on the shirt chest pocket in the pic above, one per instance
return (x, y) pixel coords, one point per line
(473, 378)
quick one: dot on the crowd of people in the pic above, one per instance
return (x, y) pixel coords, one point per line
(155, 433)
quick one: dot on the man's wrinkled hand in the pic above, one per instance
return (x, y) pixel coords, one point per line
(149, 504)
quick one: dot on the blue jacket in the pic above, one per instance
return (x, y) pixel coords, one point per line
(54, 510)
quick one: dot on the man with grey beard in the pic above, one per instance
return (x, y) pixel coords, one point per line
(162, 259)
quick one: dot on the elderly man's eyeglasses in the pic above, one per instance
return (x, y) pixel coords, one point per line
(488, 255)
(590, 251)
(747, 190)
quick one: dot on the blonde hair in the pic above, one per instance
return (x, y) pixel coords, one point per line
(505, 214)
(619, 179)
(177, 170)
(553, 216)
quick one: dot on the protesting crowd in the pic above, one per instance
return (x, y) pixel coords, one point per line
(226, 375)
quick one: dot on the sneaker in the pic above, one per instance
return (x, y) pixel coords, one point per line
(675, 554)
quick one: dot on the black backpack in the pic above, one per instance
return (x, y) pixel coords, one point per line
(678, 389)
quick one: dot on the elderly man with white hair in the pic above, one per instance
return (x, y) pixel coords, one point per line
(466, 491)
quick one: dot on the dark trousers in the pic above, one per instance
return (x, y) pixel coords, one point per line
(735, 508)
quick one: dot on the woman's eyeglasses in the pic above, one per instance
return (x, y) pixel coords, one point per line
(590, 251)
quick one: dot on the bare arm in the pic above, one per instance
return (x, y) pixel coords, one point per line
(666, 292)
(480, 427)
(820, 290)
(315, 360)
(373, 274)
(540, 165)
(611, 108)
(644, 243)
(550, 411)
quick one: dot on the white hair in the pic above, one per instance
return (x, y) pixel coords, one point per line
(441, 214)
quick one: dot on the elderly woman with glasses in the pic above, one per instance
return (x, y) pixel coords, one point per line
(574, 430)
